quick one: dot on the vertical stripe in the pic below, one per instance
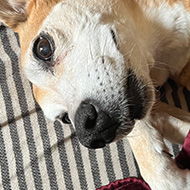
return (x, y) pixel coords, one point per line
(12, 127)
(122, 159)
(101, 164)
(115, 161)
(17, 38)
(63, 156)
(182, 99)
(175, 149)
(94, 168)
(79, 160)
(55, 155)
(87, 167)
(137, 167)
(129, 156)
(5, 176)
(24, 110)
(177, 104)
(109, 163)
(163, 94)
(11, 164)
(174, 93)
(47, 149)
(187, 97)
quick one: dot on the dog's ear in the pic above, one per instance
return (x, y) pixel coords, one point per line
(13, 12)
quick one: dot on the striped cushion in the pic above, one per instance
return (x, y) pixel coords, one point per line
(38, 154)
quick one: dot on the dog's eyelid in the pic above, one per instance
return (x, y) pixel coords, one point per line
(45, 35)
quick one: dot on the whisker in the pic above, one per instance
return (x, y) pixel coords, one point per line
(164, 64)
(159, 42)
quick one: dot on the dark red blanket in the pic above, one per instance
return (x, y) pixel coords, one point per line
(182, 160)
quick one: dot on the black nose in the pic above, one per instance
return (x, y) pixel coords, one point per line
(94, 127)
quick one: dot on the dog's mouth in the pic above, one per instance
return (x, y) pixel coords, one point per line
(106, 136)
(97, 125)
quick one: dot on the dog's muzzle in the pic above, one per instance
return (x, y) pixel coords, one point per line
(97, 124)
(94, 127)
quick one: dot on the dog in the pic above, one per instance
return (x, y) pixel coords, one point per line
(95, 64)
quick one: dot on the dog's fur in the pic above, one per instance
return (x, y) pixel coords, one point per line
(149, 39)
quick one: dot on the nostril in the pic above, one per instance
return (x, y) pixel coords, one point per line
(91, 115)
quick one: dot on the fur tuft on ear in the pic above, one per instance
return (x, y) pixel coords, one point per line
(13, 12)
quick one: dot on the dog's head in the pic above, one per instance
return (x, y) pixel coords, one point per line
(88, 62)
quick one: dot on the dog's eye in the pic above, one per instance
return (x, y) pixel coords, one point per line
(65, 118)
(44, 48)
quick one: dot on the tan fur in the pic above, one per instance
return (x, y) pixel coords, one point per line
(39, 94)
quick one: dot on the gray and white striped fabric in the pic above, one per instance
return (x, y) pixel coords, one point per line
(38, 154)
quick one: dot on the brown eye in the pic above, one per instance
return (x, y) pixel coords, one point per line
(44, 48)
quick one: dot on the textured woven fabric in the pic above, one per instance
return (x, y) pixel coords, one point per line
(182, 160)
(38, 154)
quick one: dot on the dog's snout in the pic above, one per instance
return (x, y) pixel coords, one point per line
(94, 127)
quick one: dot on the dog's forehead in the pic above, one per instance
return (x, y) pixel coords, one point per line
(38, 11)
(66, 16)
(50, 12)
(63, 18)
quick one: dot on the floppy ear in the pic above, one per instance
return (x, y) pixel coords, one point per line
(13, 12)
